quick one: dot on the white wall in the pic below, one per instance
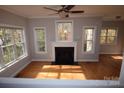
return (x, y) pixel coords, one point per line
(14, 20)
(78, 24)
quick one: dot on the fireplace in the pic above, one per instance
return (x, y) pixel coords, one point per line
(64, 51)
(64, 55)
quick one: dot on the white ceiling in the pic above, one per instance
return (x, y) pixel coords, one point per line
(37, 11)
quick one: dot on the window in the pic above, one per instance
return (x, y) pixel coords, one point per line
(13, 44)
(89, 35)
(40, 40)
(108, 36)
(64, 30)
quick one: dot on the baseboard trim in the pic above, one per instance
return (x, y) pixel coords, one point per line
(78, 60)
(110, 53)
(14, 74)
(42, 60)
(88, 60)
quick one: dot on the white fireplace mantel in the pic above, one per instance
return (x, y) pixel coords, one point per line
(64, 44)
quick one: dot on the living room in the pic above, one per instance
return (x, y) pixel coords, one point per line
(61, 42)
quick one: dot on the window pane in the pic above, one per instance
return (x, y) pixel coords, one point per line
(110, 40)
(103, 40)
(41, 46)
(40, 36)
(108, 36)
(103, 32)
(88, 46)
(8, 54)
(111, 32)
(6, 36)
(19, 50)
(1, 33)
(88, 34)
(64, 31)
(18, 35)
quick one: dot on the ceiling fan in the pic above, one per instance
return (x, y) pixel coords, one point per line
(64, 11)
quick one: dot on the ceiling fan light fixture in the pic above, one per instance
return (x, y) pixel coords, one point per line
(63, 14)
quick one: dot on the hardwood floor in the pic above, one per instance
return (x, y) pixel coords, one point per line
(107, 68)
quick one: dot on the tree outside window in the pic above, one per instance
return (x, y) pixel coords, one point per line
(64, 31)
(13, 46)
(40, 39)
(108, 36)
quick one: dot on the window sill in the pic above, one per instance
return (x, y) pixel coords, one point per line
(41, 52)
(108, 44)
(64, 40)
(88, 52)
(12, 63)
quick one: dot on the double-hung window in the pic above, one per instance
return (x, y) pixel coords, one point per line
(64, 30)
(108, 36)
(13, 44)
(88, 39)
(40, 39)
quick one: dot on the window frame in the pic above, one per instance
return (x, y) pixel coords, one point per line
(35, 40)
(25, 54)
(56, 30)
(93, 41)
(116, 37)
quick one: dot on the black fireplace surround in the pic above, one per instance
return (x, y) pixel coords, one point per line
(64, 55)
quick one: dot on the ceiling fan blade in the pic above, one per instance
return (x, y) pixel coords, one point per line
(50, 9)
(68, 7)
(76, 11)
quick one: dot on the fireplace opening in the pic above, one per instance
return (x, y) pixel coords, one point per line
(64, 55)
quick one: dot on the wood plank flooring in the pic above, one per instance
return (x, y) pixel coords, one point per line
(108, 68)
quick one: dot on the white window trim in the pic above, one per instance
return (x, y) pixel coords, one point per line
(56, 30)
(25, 42)
(116, 37)
(35, 41)
(83, 39)
(12, 62)
(25, 47)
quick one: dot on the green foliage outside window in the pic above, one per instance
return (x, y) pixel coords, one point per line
(13, 44)
(40, 39)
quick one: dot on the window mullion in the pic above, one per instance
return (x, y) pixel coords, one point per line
(14, 46)
(1, 57)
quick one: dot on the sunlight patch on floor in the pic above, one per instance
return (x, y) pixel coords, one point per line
(72, 76)
(117, 57)
(60, 75)
(51, 67)
(60, 72)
